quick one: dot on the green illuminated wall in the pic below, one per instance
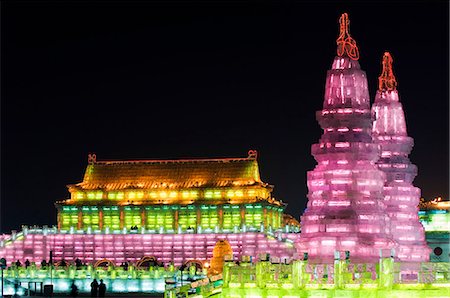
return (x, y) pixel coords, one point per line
(231, 216)
(187, 217)
(253, 215)
(111, 218)
(160, 217)
(209, 217)
(132, 217)
(69, 218)
(90, 217)
(169, 217)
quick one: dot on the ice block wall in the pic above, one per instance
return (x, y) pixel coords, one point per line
(401, 197)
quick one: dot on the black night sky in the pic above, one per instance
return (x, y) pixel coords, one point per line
(146, 80)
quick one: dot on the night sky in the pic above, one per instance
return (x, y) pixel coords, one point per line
(151, 80)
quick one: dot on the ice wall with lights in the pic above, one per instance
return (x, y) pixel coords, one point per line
(346, 210)
(401, 197)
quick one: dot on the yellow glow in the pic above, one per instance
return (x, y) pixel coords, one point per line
(208, 194)
(173, 194)
(163, 194)
(194, 194)
(132, 195)
(251, 192)
(140, 194)
(120, 195)
(111, 195)
(217, 194)
(185, 194)
(99, 195)
(230, 194)
(79, 195)
(239, 193)
(153, 195)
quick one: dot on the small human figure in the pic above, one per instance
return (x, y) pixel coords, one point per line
(101, 289)
(18, 264)
(16, 287)
(63, 263)
(43, 264)
(73, 289)
(27, 263)
(78, 263)
(94, 288)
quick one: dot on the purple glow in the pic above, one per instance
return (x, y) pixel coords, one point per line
(401, 197)
(346, 210)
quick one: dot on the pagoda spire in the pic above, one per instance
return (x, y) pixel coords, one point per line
(346, 45)
(346, 209)
(387, 81)
(401, 197)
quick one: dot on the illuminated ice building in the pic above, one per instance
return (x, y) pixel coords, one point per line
(346, 209)
(173, 210)
(400, 196)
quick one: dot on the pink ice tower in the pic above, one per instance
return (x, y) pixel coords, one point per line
(401, 197)
(346, 209)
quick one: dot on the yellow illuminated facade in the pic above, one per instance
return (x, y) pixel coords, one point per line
(170, 196)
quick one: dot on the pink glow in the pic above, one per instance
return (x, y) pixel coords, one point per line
(125, 247)
(342, 216)
(401, 197)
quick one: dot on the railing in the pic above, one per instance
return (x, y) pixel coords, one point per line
(200, 288)
(343, 274)
(83, 272)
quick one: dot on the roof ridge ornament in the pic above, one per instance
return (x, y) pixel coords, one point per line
(387, 81)
(252, 154)
(346, 44)
(92, 158)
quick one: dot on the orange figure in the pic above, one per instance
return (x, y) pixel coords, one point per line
(346, 44)
(386, 81)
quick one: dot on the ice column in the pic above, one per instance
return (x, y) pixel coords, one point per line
(346, 210)
(401, 197)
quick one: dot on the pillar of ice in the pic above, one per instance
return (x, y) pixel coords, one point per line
(346, 210)
(401, 197)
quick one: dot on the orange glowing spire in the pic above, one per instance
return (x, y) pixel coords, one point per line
(386, 81)
(346, 44)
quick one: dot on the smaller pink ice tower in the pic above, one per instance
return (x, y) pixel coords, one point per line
(401, 197)
(346, 209)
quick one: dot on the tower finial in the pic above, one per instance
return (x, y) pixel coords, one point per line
(346, 44)
(386, 81)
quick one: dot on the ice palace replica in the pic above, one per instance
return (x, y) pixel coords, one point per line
(136, 223)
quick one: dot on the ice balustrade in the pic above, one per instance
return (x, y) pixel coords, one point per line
(342, 274)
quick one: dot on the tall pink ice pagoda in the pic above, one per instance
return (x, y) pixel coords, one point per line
(346, 209)
(401, 197)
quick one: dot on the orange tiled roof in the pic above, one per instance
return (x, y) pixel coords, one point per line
(145, 174)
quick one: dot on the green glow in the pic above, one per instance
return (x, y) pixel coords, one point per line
(435, 220)
(90, 217)
(209, 217)
(132, 217)
(231, 217)
(253, 216)
(111, 218)
(69, 218)
(159, 217)
(187, 217)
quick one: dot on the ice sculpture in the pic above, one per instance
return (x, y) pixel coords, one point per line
(401, 197)
(346, 210)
